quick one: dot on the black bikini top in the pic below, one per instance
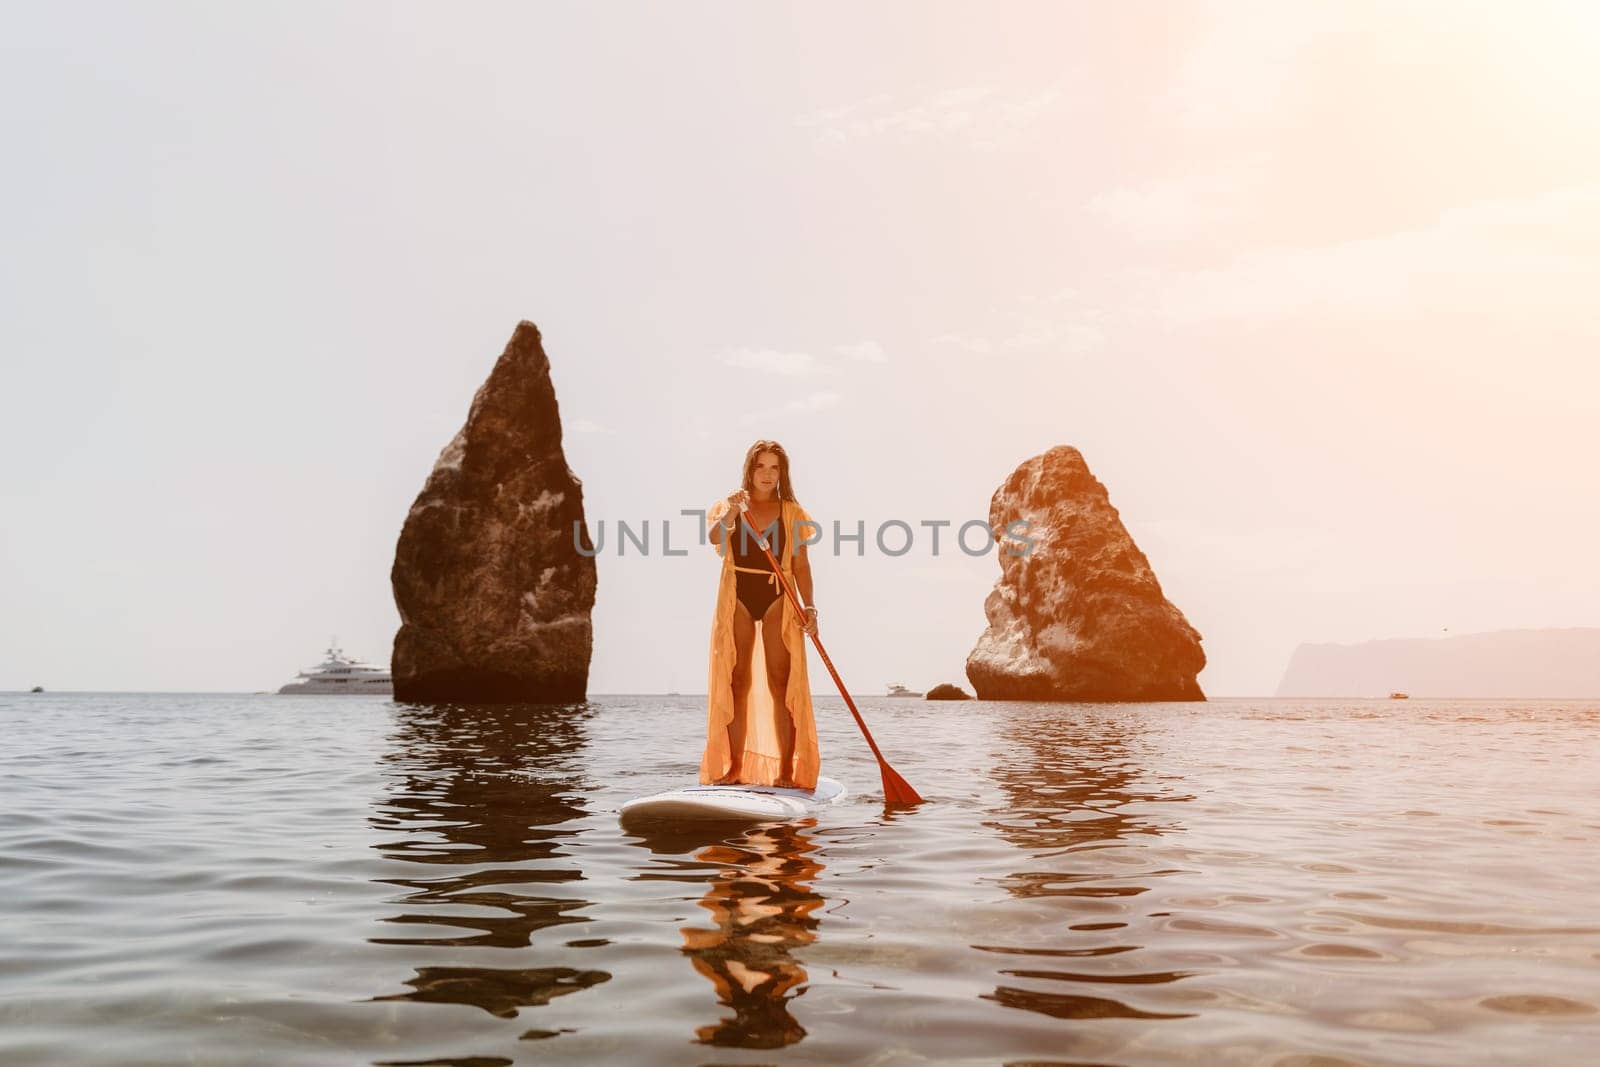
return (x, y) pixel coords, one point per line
(747, 550)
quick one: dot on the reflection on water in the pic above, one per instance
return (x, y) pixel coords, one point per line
(1071, 781)
(477, 794)
(498, 992)
(761, 903)
(1074, 790)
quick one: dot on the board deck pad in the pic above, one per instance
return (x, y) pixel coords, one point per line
(734, 803)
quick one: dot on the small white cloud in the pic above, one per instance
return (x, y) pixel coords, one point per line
(830, 123)
(978, 345)
(814, 402)
(1183, 206)
(772, 361)
(865, 351)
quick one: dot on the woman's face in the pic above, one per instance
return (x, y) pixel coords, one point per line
(765, 475)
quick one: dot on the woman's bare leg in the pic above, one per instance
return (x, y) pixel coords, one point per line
(744, 642)
(778, 681)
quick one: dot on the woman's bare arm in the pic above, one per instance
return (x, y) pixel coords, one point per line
(716, 516)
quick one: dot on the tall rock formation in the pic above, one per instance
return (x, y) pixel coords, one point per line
(1081, 615)
(494, 595)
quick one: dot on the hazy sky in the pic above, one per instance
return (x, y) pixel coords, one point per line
(1312, 286)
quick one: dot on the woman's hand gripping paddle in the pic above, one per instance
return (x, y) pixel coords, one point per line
(896, 790)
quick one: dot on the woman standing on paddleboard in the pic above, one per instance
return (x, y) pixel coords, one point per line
(760, 728)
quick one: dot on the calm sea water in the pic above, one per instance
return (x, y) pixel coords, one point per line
(323, 880)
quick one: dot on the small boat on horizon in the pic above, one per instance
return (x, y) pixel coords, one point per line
(343, 674)
(1397, 695)
(898, 690)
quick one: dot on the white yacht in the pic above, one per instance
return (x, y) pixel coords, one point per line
(341, 674)
(898, 690)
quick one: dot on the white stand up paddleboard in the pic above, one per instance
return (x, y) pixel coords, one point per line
(734, 803)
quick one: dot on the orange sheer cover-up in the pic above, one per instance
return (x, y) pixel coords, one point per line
(762, 760)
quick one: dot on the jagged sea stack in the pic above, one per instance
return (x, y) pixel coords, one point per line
(1081, 616)
(494, 596)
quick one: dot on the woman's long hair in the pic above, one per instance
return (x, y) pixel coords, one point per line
(785, 486)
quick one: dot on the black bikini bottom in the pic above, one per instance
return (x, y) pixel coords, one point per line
(756, 593)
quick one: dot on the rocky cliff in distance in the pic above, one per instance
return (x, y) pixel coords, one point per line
(494, 597)
(1548, 664)
(1081, 617)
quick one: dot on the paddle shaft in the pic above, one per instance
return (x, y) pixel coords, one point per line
(897, 790)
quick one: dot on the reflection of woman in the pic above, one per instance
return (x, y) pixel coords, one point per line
(762, 902)
(759, 724)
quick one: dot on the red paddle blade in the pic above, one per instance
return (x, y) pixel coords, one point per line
(896, 790)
